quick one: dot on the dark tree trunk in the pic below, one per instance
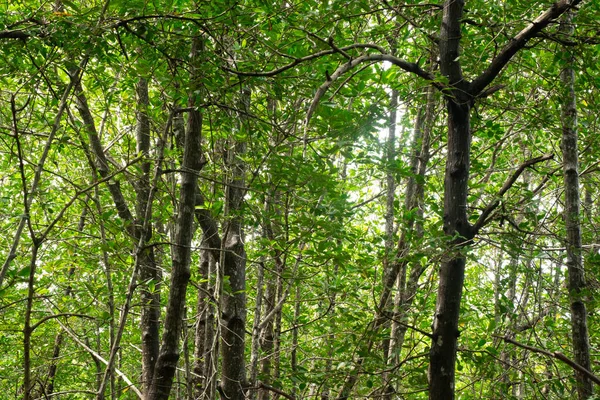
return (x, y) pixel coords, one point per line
(460, 95)
(452, 270)
(168, 357)
(456, 227)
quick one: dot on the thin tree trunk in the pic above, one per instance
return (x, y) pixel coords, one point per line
(414, 204)
(193, 161)
(202, 311)
(255, 348)
(233, 330)
(207, 343)
(294, 352)
(150, 313)
(58, 341)
(211, 342)
(414, 198)
(391, 172)
(271, 294)
(576, 282)
(27, 327)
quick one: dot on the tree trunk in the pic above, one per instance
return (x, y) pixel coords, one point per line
(255, 348)
(202, 315)
(193, 161)
(150, 313)
(234, 270)
(452, 270)
(576, 281)
(456, 226)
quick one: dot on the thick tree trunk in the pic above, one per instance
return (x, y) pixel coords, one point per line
(456, 226)
(576, 282)
(452, 270)
(460, 95)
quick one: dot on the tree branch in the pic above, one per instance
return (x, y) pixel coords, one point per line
(16, 34)
(52, 316)
(101, 359)
(483, 218)
(307, 58)
(342, 69)
(518, 42)
(557, 355)
(280, 392)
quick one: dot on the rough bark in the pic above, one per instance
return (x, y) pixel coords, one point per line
(273, 281)
(452, 270)
(206, 340)
(203, 324)
(457, 229)
(255, 348)
(576, 274)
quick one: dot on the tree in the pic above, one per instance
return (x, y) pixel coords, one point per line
(255, 200)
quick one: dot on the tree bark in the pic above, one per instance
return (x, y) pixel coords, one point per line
(460, 95)
(233, 318)
(193, 161)
(576, 274)
(150, 312)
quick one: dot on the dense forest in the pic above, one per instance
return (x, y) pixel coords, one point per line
(303, 199)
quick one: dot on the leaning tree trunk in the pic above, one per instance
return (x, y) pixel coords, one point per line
(576, 274)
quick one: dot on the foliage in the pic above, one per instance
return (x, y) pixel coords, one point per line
(314, 204)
